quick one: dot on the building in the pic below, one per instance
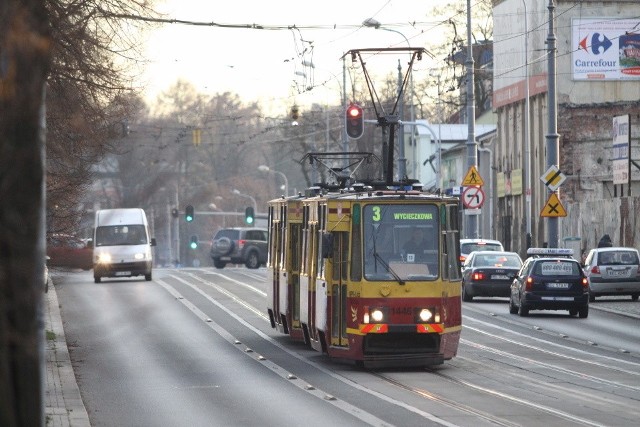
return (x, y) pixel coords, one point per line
(597, 79)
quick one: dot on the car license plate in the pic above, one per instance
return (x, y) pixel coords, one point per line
(499, 277)
(617, 273)
(557, 286)
(557, 298)
(123, 273)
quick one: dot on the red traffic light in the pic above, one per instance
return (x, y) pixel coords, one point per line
(354, 121)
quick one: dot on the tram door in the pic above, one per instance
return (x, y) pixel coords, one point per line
(339, 290)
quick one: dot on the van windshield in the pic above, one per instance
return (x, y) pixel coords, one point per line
(114, 235)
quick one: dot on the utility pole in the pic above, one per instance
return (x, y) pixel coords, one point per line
(527, 136)
(552, 137)
(471, 230)
(402, 161)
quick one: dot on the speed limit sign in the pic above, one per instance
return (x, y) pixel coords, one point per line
(473, 197)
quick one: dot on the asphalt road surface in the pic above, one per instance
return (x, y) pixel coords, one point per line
(193, 347)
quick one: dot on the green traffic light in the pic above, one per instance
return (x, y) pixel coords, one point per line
(194, 245)
(189, 213)
(249, 213)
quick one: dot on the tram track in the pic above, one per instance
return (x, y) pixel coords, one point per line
(475, 387)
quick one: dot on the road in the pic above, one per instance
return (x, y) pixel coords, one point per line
(194, 347)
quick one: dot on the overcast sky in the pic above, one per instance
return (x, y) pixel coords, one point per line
(268, 64)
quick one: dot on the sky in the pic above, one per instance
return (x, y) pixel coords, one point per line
(272, 65)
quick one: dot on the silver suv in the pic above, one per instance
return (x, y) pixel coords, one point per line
(246, 246)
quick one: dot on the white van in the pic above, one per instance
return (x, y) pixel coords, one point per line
(121, 244)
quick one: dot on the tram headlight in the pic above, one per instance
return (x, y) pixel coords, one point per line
(374, 315)
(377, 315)
(429, 315)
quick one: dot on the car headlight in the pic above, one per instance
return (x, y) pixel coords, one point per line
(138, 256)
(104, 258)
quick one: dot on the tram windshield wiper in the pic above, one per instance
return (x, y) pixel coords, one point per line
(377, 256)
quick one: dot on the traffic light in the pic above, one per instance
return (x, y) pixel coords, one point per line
(193, 243)
(249, 215)
(174, 213)
(188, 213)
(354, 121)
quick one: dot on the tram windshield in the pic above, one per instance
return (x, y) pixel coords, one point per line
(401, 242)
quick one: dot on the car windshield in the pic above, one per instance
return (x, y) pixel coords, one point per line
(498, 260)
(115, 235)
(618, 258)
(401, 241)
(467, 248)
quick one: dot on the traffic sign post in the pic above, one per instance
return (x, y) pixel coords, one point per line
(553, 208)
(472, 177)
(473, 197)
(553, 178)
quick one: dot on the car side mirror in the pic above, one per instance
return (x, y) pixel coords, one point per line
(153, 241)
(90, 243)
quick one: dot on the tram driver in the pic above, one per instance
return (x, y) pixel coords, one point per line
(414, 248)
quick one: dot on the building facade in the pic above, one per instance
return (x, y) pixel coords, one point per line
(597, 79)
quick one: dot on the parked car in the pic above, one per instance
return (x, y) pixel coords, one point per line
(469, 245)
(489, 274)
(69, 251)
(613, 271)
(246, 246)
(550, 280)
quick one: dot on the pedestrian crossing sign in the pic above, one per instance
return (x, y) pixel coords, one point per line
(472, 178)
(553, 208)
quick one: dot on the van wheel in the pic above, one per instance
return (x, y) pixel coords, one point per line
(147, 277)
(218, 264)
(97, 279)
(252, 260)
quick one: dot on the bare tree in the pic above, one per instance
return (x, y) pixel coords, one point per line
(25, 55)
(89, 96)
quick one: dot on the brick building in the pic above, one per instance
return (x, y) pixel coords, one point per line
(597, 79)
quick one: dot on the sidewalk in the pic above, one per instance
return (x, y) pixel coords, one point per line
(63, 404)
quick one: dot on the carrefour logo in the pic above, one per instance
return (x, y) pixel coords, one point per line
(598, 42)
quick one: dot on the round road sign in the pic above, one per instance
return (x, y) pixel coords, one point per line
(473, 197)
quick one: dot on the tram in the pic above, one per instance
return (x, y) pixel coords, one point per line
(350, 277)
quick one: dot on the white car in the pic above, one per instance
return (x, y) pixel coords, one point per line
(613, 271)
(469, 245)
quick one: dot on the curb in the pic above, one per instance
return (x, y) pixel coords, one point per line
(62, 400)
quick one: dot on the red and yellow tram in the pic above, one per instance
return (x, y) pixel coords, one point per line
(350, 277)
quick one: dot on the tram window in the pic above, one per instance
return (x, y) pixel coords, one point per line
(391, 245)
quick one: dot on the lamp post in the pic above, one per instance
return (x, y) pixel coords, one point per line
(265, 168)
(527, 150)
(253, 201)
(402, 170)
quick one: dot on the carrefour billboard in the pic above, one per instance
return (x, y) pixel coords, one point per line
(605, 49)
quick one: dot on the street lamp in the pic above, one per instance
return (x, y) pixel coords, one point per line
(238, 193)
(265, 168)
(373, 23)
